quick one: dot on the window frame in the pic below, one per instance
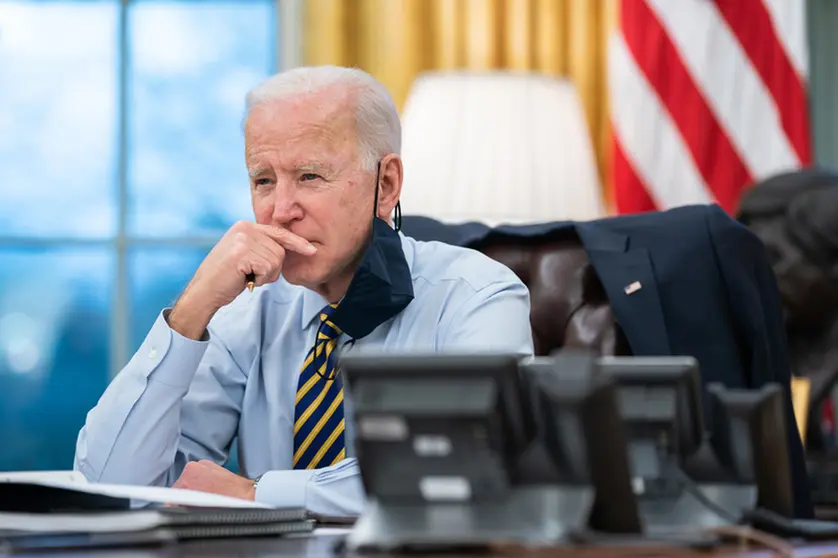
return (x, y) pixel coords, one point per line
(289, 19)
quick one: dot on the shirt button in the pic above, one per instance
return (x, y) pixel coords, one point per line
(152, 353)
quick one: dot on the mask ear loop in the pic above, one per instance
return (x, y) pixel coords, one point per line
(377, 186)
(346, 345)
(333, 373)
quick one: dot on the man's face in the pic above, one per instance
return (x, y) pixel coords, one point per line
(305, 176)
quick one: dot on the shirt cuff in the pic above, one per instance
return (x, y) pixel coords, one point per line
(284, 489)
(169, 357)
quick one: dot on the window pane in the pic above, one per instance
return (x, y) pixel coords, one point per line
(153, 289)
(57, 118)
(192, 64)
(158, 276)
(54, 335)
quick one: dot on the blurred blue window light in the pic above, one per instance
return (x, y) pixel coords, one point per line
(158, 275)
(58, 121)
(191, 66)
(54, 350)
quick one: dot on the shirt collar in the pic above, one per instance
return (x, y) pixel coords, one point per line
(313, 303)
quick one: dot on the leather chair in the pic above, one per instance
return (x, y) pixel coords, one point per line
(569, 305)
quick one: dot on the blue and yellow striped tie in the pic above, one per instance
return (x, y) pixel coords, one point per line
(318, 416)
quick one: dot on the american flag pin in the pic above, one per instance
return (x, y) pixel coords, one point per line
(633, 287)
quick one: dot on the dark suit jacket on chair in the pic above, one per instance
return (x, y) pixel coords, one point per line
(688, 281)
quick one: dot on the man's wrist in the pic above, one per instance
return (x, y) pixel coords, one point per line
(256, 486)
(190, 319)
(285, 488)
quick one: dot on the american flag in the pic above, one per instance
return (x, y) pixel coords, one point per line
(707, 96)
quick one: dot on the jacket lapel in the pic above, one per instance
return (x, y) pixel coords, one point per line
(628, 279)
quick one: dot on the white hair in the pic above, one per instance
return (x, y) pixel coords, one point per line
(378, 126)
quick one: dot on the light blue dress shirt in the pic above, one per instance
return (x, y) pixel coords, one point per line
(180, 400)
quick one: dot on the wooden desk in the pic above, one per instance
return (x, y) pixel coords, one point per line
(323, 545)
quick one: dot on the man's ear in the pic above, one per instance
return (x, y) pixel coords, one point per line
(390, 185)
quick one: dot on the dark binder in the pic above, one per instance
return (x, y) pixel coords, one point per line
(39, 498)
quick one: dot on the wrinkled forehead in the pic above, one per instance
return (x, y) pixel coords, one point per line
(321, 124)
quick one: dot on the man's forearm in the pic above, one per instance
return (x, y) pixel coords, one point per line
(132, 434)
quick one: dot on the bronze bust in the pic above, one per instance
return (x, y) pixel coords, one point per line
(796, 216)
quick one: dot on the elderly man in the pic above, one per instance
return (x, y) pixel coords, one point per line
(322, 150)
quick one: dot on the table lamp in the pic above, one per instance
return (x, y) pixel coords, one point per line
(498, 147)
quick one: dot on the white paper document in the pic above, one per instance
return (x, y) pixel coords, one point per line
(60, 476)
(177, 496)
(118, 522)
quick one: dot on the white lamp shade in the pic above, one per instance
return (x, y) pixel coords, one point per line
(497, 147)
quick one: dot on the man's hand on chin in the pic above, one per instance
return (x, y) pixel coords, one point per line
(206, 476)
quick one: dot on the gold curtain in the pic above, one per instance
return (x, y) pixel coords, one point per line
(396, 39)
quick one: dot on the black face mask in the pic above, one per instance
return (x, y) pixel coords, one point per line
(382, 286)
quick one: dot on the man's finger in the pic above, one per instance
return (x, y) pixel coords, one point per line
(262, 249)
(289, 240)
(261, 269)
(271, 245)
(274, 277)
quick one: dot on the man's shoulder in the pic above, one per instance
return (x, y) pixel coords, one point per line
(438, 264)
(466, 301)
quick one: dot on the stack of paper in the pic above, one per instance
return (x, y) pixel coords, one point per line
(59, 476)
(63, 512)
